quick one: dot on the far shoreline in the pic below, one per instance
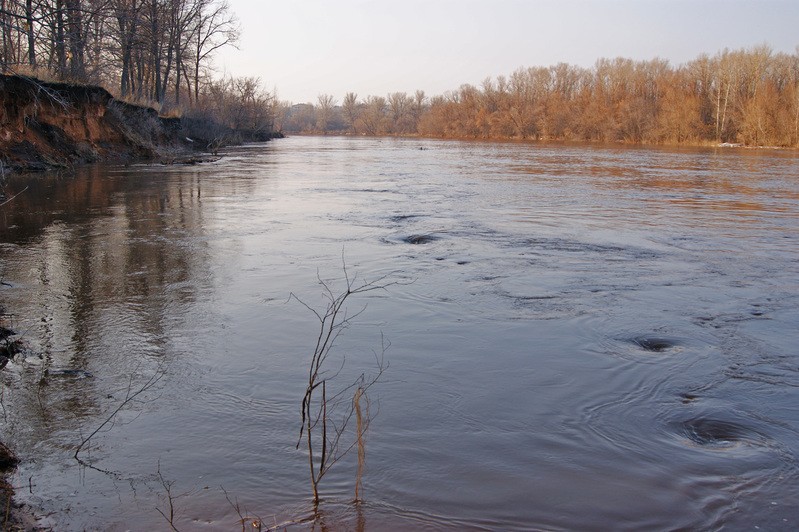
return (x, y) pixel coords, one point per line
(549, 142)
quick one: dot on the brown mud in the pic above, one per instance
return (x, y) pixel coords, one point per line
(55, 125)
(45, 125)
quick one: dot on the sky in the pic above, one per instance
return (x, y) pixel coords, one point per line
(304, 48)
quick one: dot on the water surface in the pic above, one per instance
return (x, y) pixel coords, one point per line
(581, 337)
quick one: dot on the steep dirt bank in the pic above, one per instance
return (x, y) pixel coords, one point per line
(45, 125)
(49, 125)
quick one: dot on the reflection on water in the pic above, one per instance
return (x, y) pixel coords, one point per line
(595, 337)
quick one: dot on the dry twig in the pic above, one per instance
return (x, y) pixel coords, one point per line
(318, 410)
(131, 396)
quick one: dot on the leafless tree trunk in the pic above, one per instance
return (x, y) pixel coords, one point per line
(215, 27)
(29, 29)
(75, 38)
(60, 50)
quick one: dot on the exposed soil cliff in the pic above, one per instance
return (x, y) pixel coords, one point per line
(45, 125)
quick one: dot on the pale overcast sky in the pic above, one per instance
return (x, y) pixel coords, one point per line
(303, 48)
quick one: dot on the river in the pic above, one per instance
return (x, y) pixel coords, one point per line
(577, 337)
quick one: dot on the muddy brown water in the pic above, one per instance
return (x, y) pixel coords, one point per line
(594, 337)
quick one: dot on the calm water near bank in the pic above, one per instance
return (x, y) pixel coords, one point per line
(583, 337)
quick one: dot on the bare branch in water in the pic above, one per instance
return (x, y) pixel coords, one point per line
(131, 396)
(324, 415)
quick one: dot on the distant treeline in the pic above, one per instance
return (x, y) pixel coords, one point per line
(746, 96)
(156, 52)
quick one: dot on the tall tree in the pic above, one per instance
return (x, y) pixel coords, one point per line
(350, 108)
(30, 33)
(214, 27)
(324, 111)
(76, 40)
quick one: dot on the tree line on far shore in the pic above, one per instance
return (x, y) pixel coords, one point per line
(153, 52)
(748, 96)
(160, 52)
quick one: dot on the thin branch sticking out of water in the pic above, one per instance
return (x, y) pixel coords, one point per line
(9, 200)
(131, 396)
(318, 409)
(171, 497)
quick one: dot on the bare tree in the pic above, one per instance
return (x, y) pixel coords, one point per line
(214, 27)
(181, 14)
(372, 120)
(127, 16)
(350, 107)
(418, 107)
(399, 105)
(326, 415)
(324, 111)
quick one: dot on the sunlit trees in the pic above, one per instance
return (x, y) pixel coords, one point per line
(372, 119)
(757, 96)
(160, 52)
(433, 121)
(350, 109)
(418, 107)
(788, 88)
(679, 117)
(744, 96)
(400, 113)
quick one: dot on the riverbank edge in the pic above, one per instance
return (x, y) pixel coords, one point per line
(53, 125)
(56, 126)
(16, 516)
